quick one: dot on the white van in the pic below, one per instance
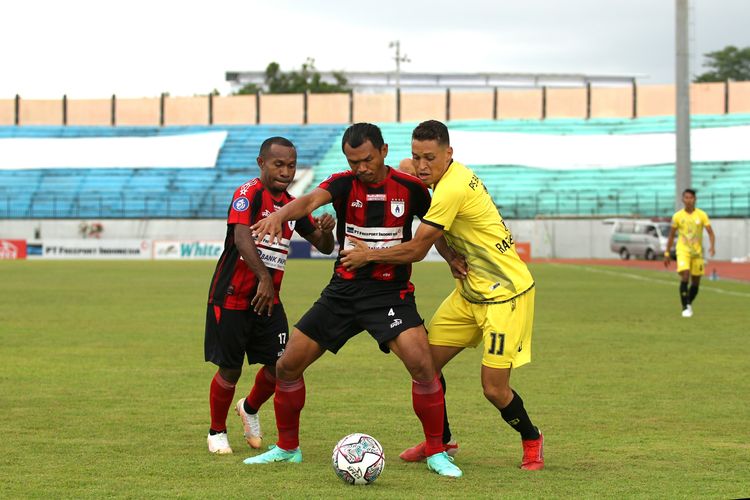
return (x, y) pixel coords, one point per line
(640, 238)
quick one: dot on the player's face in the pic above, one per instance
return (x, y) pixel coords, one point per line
(367, 162)
(278, 167)
(431, 160)
(688, 199)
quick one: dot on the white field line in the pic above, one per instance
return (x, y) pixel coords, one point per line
(670, 282)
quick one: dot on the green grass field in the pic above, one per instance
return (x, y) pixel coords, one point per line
(104, 391)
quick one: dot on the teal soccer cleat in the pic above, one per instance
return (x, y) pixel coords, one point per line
(276, 454)
(443, 465)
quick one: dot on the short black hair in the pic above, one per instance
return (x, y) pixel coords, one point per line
(432, 130)
(281, 141)
(359, 133)
(691, 191)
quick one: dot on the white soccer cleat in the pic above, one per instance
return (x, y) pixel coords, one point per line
(219, 444)
(250, 425)
(687, 312)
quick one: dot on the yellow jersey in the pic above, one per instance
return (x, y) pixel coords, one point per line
(689, 227)
(473, 227)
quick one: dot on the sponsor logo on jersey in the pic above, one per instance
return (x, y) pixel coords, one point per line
(376, 197)
(246, 186)
(396, 322)
(265, 213)
(241, 204)
(357, 204)
(397, 208)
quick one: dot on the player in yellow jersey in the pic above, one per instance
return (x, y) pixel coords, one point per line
(493, 301)
(689, 223)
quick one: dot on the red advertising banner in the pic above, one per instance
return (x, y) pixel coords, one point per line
(524, 250)
(12, 249)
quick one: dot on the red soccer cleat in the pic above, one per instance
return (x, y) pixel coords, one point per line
(416, 453)
(533, 453)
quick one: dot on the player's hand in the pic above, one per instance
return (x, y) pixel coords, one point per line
(355, 257)
(459, 266)
(270, 226)
(667, 259)
(325, 223)
(712, 252)
(264, 296)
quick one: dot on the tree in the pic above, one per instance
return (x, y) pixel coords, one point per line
(307, 79)
(729, 63)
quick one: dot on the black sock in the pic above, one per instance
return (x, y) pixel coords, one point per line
(446, 424)
(515, 415)
(684, 294)
(692, 293)
(212, 432)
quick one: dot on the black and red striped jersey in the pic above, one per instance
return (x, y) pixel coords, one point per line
(380, 215)
(233, 284)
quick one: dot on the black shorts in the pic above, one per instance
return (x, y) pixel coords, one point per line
(232, 334)
(346, 308)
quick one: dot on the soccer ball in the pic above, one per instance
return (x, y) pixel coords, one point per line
(358, 459)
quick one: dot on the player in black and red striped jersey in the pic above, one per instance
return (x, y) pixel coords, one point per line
(376, 204)
(245, 316)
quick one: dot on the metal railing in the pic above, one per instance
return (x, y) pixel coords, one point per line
(513, 205)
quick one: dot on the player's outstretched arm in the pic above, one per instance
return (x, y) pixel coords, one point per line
(243, 240)
(300, 207)
(405, 253)
(322, 237)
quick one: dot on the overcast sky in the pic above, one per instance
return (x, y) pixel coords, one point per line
(139, 48)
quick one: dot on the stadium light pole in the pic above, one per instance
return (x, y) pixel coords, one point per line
(682, 83)
(399, 59)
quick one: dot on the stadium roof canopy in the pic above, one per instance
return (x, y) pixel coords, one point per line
(373, 81)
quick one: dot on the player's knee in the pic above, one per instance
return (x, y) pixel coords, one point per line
(500, 396)
(231, 375)
(288, 370)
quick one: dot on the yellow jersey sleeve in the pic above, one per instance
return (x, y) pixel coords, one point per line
(473, 227)
(704, 218)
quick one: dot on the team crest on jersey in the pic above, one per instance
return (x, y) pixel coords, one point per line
(241, 204)
(291, 224)
(397, 207)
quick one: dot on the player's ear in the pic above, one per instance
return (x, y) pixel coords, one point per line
(449, 153)
(259, 160)
(384, 150)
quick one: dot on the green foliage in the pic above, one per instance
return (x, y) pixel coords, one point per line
(307, 79)
(105, 393)
(729, 63)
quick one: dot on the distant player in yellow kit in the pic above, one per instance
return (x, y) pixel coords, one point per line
(493, 303)
(689, 223)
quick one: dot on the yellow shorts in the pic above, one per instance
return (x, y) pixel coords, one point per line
(687, 262)
(505, 328)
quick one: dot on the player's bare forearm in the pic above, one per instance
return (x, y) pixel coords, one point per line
(322, 238)
(265, 293)
(456, 261)
(301, 207)
(712, 240)
(405, 253)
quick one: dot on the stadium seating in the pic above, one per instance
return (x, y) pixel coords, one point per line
(519, 191)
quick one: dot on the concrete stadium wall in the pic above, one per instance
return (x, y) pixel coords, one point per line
(7, 111)
(186, 110)
(144, 111)
(328, 108)
(90, 112)
(235, 110)
(611, 102)
(549, 238)
(472, 105)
